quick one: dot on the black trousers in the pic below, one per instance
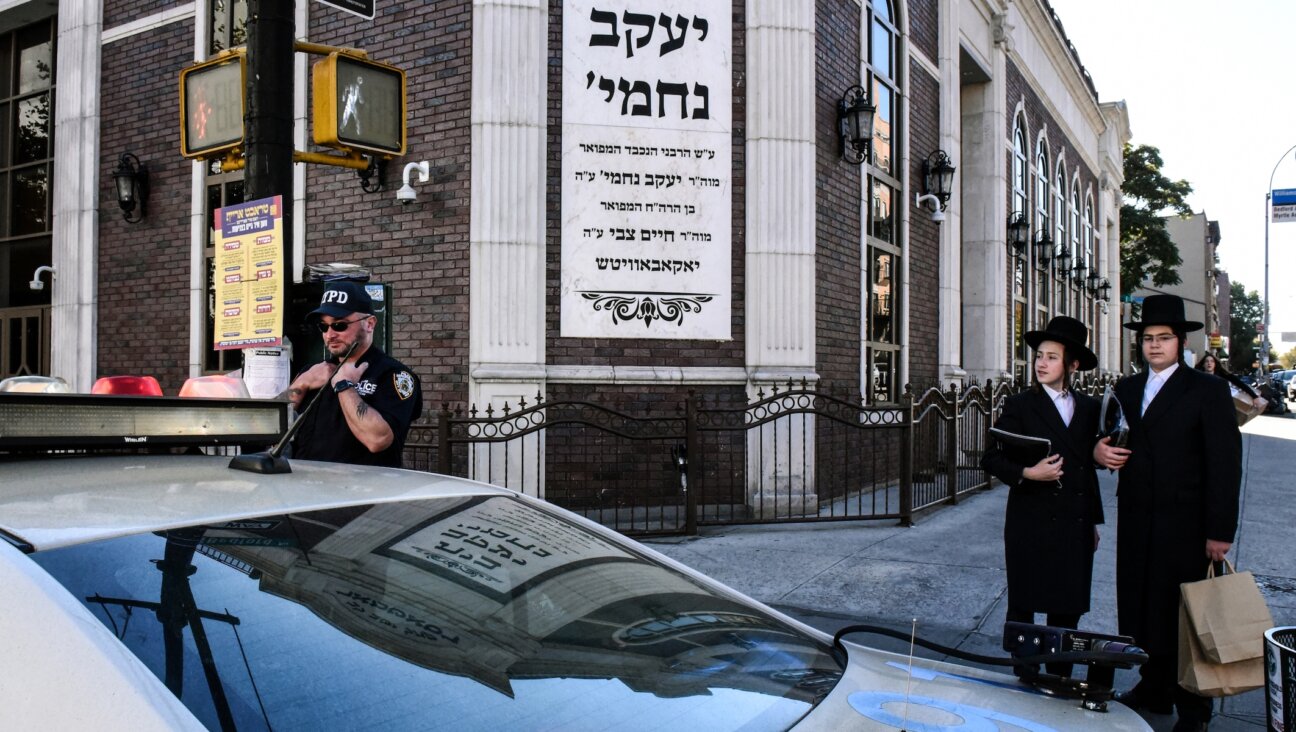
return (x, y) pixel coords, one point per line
(1057, 620)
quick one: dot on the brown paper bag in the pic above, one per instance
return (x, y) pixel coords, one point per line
(1200, 676)
(1228, 615)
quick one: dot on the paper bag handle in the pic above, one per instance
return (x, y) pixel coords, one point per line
(1228, 567)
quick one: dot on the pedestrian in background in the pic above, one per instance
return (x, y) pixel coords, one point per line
(1177, 500)
(1054, 506)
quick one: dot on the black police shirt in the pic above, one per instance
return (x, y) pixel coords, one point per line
(388, 387)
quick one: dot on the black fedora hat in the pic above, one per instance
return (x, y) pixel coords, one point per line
(1069, 332)
(1164, 310)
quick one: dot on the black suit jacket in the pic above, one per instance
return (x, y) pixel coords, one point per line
(1178, 489)
(1048, 530)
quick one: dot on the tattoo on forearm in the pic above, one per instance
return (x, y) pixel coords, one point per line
(362, 409)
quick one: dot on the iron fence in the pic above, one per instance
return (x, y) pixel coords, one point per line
(793, 453)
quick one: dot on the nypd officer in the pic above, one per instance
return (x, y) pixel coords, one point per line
(368, 404)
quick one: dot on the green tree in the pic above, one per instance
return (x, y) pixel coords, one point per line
(1246, 313)
(1288, 359)
(1147, 252)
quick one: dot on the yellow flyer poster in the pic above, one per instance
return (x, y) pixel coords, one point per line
(249, 274)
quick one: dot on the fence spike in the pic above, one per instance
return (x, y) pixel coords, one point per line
(490, 410)
(522, 404)
(472, 411)
(506, 409)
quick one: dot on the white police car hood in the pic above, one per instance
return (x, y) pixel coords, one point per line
(882, 691)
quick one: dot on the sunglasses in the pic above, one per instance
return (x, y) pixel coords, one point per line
(338, 326)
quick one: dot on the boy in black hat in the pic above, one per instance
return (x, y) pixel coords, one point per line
(367, 406)
(1177, 507)
(1054, 507)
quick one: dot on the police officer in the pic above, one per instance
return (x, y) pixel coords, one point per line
(368, 404)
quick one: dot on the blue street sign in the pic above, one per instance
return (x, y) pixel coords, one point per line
(1284, 197)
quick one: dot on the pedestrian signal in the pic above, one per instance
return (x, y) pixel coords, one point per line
(211, 106)
(359, 105)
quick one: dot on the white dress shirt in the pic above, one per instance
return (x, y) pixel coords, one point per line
(1154, 383)
(1064, 403)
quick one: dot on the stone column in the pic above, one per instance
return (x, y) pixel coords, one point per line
(984, 214)
(506, 345)
(75, 249)
(950, 305)
(780, 236)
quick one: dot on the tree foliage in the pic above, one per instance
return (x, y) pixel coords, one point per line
(1246, 313)
(1147, 251)
(1288, 359)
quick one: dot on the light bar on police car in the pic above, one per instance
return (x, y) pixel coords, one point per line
(76, 421)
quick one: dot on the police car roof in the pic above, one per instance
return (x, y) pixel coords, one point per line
(53, 502)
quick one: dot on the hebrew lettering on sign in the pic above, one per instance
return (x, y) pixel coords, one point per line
(647, 169)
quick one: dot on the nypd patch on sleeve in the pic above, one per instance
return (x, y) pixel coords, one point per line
(404, 383)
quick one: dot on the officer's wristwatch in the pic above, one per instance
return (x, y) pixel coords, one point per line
(343, 385)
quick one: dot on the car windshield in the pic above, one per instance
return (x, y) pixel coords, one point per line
(469, 613)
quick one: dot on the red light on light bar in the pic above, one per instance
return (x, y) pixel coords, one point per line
(127, 385)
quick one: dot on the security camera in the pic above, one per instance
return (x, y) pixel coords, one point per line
(36, 285)
(406, 194)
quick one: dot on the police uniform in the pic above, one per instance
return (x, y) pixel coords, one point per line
(389, 388)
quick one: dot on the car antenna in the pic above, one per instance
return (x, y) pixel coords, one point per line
(273, 462)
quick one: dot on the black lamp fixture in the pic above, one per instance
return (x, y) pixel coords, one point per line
(1091, 282)
(131, 179)
(1018, 233)
(1043, 250)
(1063, 262)
(1104, 290)
(855, 124)
(938, 177)
(1078, 273)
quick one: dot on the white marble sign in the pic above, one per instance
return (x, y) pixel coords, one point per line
(646, 169)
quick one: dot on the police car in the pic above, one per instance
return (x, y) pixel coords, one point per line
(145, 587)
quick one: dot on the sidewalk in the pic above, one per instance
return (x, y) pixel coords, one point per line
(946, 572)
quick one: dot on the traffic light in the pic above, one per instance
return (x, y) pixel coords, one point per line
(211, 106)
(359, 105)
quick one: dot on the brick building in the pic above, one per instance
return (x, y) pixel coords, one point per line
(762, 251)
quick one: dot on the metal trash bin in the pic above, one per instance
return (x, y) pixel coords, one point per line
(1280, 672)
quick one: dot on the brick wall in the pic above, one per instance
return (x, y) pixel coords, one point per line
(838, 306)
(924, 235)
(421, 250)
(143, 325)
(924, 27)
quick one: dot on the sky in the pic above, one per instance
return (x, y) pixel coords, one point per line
(1213, 86)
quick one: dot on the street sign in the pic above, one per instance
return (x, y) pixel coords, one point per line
(359, 105)
(362, 8)
(211, 106)
(1132, 298)
(1284, 205)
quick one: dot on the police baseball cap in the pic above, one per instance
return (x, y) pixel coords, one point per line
(341, 299)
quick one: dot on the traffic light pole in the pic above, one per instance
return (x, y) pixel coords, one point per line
(269, 119)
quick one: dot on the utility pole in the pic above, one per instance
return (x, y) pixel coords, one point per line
(269, 120)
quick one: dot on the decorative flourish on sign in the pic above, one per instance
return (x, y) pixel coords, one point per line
(668, 307)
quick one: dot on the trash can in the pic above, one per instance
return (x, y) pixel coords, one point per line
(1280, 672)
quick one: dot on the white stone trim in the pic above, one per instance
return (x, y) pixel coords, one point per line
(564, 374)
(507, 193)
(148, 23)
(74, 249)
(780, 219)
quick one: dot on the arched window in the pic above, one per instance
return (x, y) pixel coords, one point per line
(1041, 230)
(1073, 216)
(880, 360)
(1020, 351)
(1060, 233)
